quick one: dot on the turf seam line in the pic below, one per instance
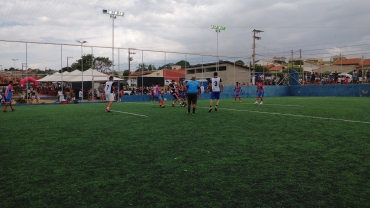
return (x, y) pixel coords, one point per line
(129, 113)
(295, 115)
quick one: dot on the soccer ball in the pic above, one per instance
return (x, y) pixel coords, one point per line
(165, 99)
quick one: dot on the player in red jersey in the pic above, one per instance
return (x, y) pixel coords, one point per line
(8, 96)
(260, 93)
(157, 94)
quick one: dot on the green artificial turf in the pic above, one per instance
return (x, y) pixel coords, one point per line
(289, 152)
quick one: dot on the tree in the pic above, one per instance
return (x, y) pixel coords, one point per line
(337, 57)
(183, 63)
(141, 67)
(102, 64)
(259, 68)
(239, 62)
(86, 59)
(126, 73)
(151, 67)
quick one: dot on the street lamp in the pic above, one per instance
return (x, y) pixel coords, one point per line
(218, 30)
(13, 67)
(67, 63)
(82, 67)
(25, 64)
(113, 15)
(129, 66)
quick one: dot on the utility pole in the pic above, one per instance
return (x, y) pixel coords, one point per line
(254, 52)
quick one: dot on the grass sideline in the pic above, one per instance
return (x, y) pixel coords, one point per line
(289, 152)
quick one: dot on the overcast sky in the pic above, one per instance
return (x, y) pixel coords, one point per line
(318, 28)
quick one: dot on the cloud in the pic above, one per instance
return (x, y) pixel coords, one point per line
(317, 28)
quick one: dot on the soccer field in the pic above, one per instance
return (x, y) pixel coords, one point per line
(288, 152)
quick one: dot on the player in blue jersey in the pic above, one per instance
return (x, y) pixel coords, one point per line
(8, 96)
(237, 91)
(192, 91)
(260, 93)
(217, 87)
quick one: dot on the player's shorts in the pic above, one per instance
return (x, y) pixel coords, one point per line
(260, 94)
(174, 95)
(192, 98)
(237, 94)
(215, 95)
(8, 100)
(160, 97)
(182, 95)
(109, 96)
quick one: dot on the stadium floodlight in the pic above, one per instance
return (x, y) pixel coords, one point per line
(113, 15)
(218, 29)
(113, 12)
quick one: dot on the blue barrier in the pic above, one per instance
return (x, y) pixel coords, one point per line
(277, 91)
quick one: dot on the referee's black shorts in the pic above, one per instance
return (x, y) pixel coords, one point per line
(192, 98)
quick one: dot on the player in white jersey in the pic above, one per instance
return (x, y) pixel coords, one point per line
(109, 92)
(217, 87)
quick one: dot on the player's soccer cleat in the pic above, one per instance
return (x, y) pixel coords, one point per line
(240, 101)
(256, 102)
(215, 108)
(4, 111)
(108, 110)
(162, 106)
(210, 109)
(193, 114)
(173, 105)
(13, 109)
(261, 103)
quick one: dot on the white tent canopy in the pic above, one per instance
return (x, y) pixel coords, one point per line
(89, 75)
(49, 78)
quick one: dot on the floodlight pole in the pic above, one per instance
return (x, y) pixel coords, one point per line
(218, 30)
(113, 15)
(82, 67)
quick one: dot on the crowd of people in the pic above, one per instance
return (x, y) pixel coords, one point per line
(316, 78)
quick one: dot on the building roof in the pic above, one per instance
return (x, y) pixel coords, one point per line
(275, 68)
(353, 61)
(214, 63)
(366, 62)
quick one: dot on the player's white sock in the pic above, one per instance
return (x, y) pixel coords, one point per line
(256, 102)
(261, 103)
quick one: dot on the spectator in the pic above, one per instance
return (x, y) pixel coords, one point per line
(80, 95)
(201, 89)
(313, 78)
(335, 77)
(354, 77)
(100, 91)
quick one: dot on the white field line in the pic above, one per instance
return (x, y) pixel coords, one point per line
(129, 113)
(300, 106)
(283, 114)
(296, 115)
